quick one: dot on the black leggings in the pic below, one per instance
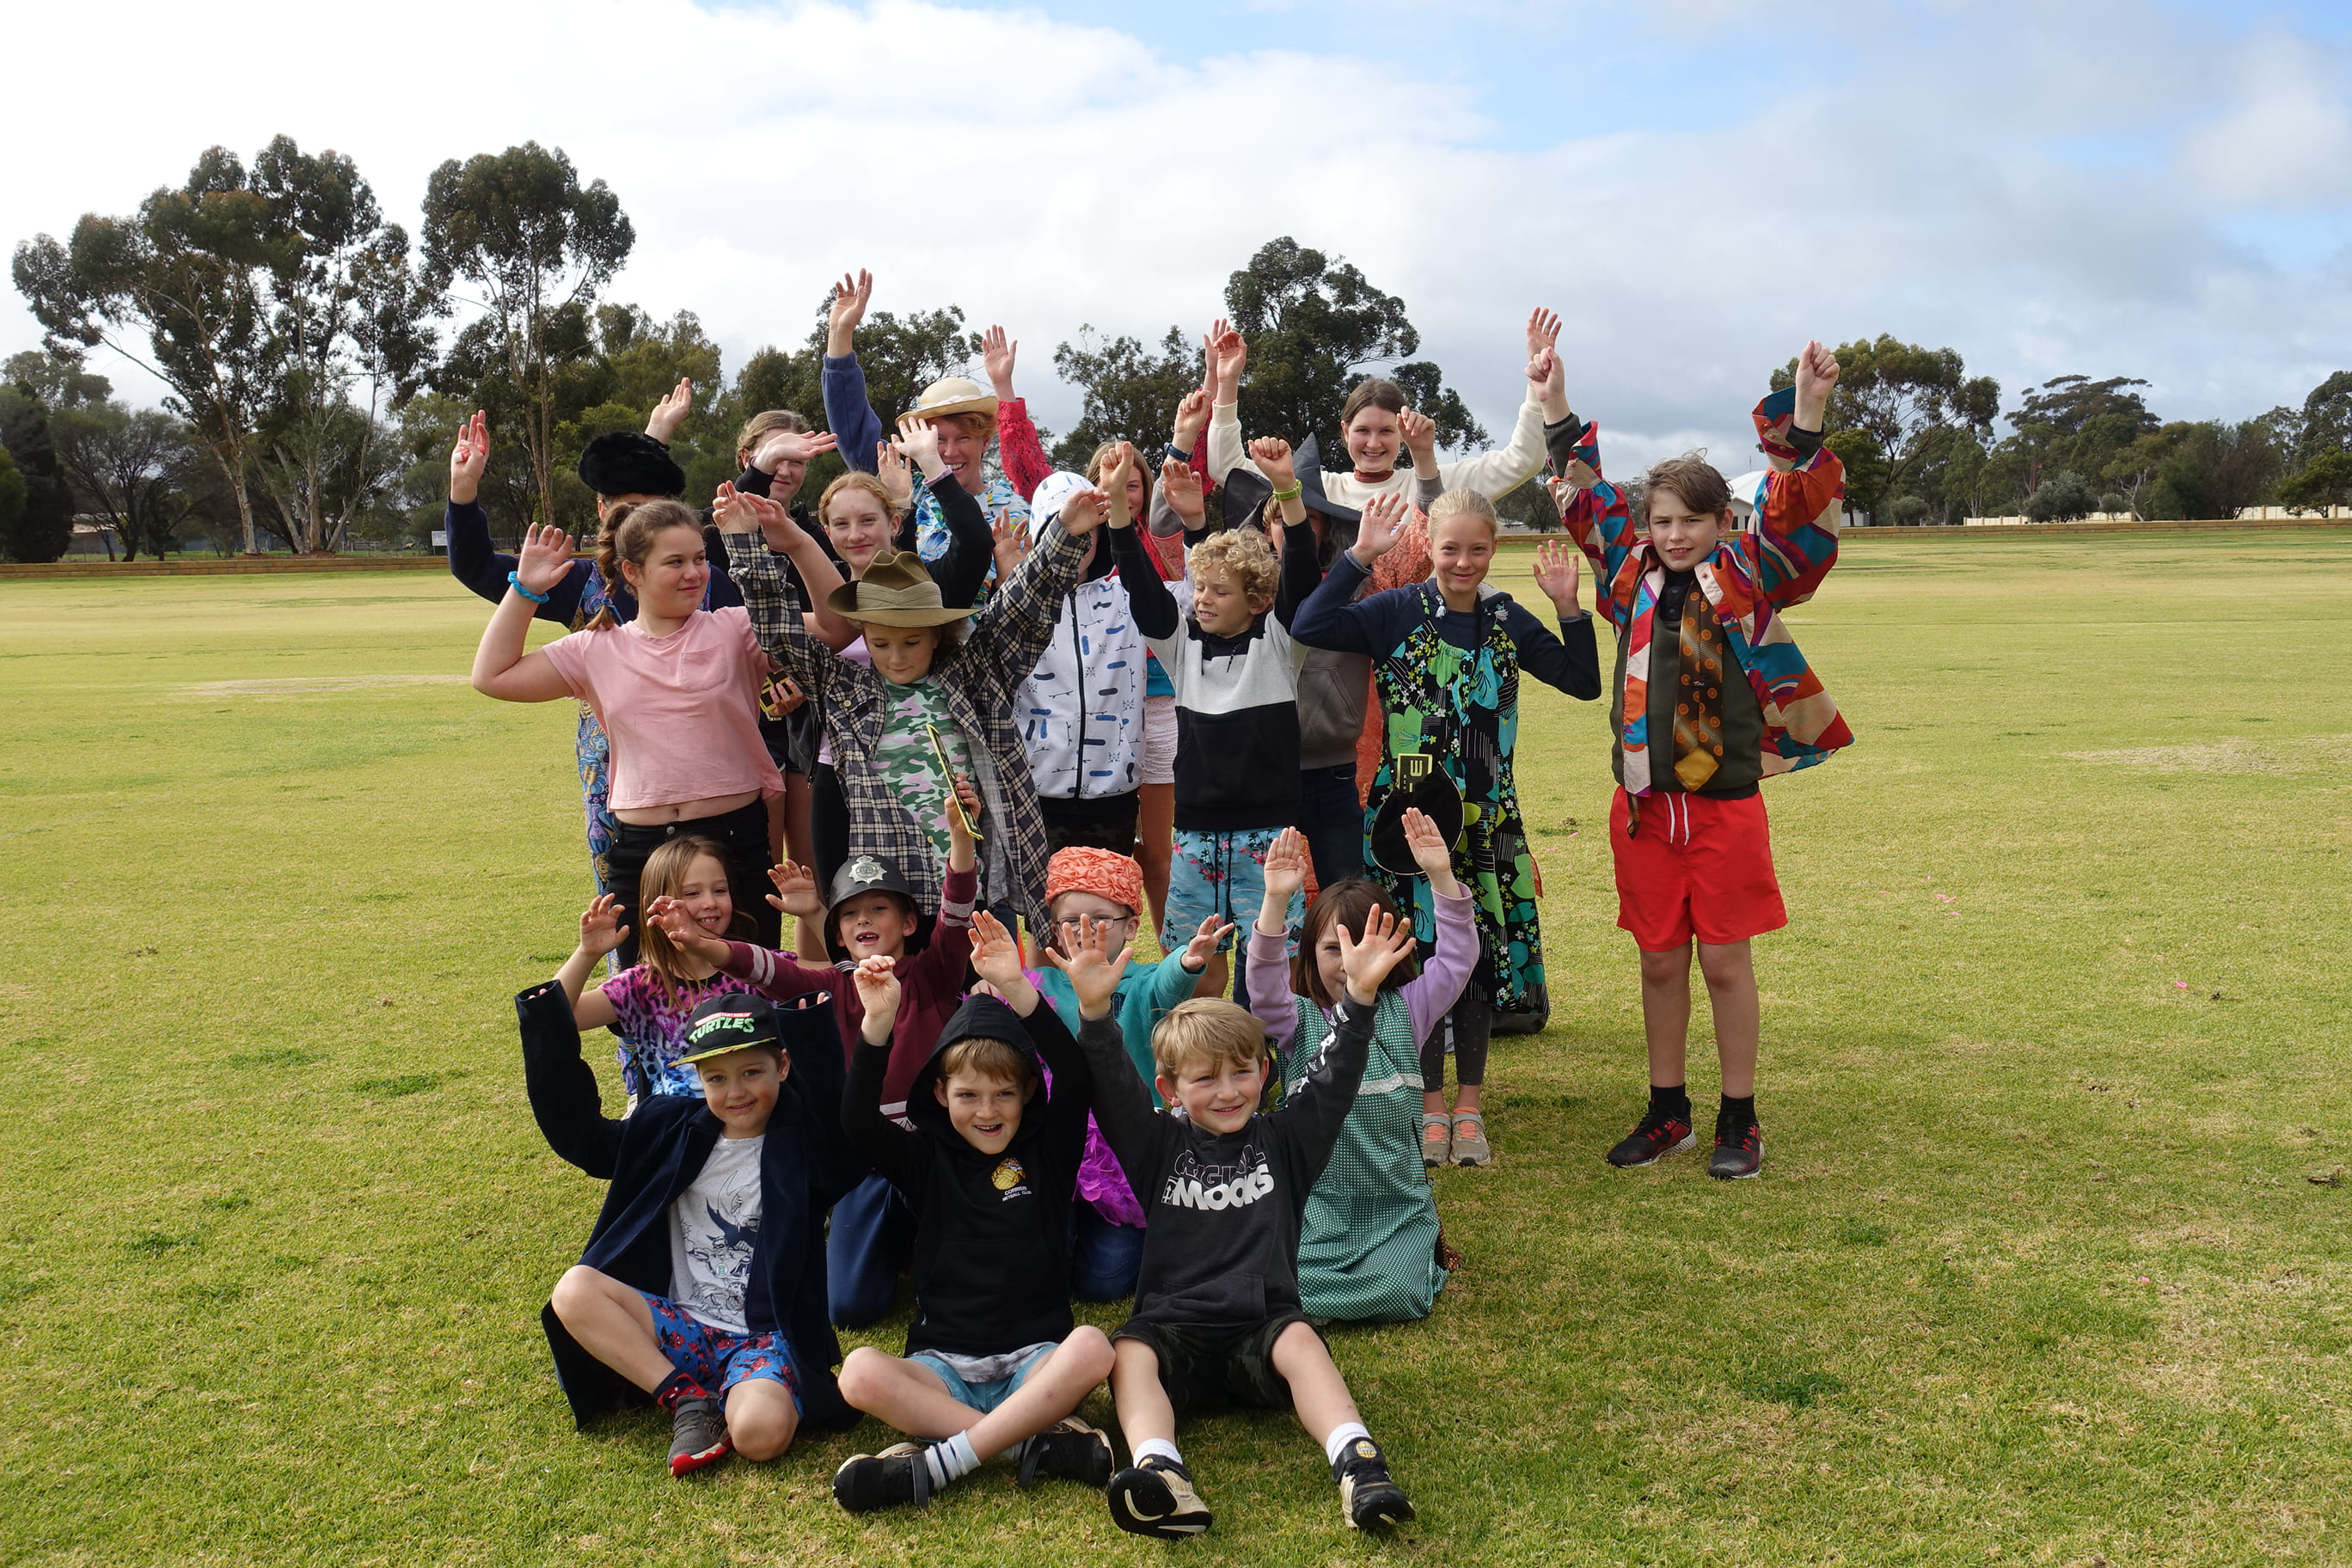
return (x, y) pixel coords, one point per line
(828, 825)
(1469, 1024)
(743, 834)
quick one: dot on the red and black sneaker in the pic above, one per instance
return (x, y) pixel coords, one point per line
(1661, 1133)
(1738, 1151)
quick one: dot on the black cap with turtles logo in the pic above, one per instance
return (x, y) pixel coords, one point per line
(734, 1021)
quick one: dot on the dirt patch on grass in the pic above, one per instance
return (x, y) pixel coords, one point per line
(293, 685)
(2236, 755)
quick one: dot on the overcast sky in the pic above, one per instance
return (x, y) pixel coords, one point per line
(2110, 186)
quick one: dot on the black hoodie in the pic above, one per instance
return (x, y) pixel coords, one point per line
(993, 1231)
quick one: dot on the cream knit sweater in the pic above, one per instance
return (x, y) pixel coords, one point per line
(1492, 474)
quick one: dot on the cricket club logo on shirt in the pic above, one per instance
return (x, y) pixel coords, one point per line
(1195, 1185)
(1007, 1178)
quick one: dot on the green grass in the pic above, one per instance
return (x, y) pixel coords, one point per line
(2035, 1273)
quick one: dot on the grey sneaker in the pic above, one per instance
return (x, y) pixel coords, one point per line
(900, 1473)
(1436, 1140)
(1470, 1145)
(697, 1434)
(1156, 1498)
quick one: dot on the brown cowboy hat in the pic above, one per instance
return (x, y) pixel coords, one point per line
(895, 591)
(953, 395)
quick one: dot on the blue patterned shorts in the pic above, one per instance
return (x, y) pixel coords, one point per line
(1221, 874)
(717, 1359)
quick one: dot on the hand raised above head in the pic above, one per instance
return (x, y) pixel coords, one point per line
(1543, 330)
(1181, 485)
(671, 412)
(997, 353)
(781, 447)
(1377, 530)
(796, 892)
(1285, 868)
(1230, 350)
(1559, 569)
(601, 928)
(1094, 973)
(995, 953)
(468, 457)
(1420, 432)
(850, 298)
(1204, 943)
(1085, 511)
(545, 557)
(1366, 961)
(1272, 456)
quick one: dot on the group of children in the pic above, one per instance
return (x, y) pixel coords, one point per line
(912, 731)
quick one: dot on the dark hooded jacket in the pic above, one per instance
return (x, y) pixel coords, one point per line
(656, 1152)
(993, 1231)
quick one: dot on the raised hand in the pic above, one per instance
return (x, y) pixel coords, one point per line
(959, 839)
(1085, 511)
(546, 556)
(1420, 436)
(995, 953)
(1551, 384)
(891, 467)
(796, 892)
(1191, 417)
(1559, 567)
(1376, 534)
(601, 930)
(918, 441)
(877, 980)
(1272, 456)
(1817, 373)
(1286, 869)
(1543, 330)
(1367, 962)
(1181, 485)
(850, 298)
(1094, 973)
(468, 457)
(671, 412)
(1230, 355)
(1204, 943)
(1114, 484)
(684, 930)
(1430, 852)
(996, 352)
(780, 447)
(1009, 542)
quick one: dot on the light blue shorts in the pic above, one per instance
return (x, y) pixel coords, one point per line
(983, 1383)
(1220, 874)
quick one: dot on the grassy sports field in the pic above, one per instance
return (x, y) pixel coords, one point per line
(2038, 1270)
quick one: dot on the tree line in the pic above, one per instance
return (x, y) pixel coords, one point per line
(317, 360)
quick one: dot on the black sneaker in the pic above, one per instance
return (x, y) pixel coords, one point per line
(1156, 1498)
(1738, 1152)
(1661, 1133)
(697, 1434)
(1367, 1496)
(1069, 1450)
(899, 1474)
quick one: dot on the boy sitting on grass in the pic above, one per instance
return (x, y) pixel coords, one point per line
(710, 1303)
(1217, 1315)
(993, 1362)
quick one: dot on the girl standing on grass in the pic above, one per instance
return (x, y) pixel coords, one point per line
(1369, 1246)
(677, 691)
(647, 1004)
(1447, 655)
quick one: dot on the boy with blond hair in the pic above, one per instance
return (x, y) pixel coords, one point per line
(1217, 1315)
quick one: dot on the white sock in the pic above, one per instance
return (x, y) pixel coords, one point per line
(1158, 1448)
(1341, 1436)
(951, 1458)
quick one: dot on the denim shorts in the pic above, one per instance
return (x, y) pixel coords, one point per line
(968, 1379)
(717, 1359)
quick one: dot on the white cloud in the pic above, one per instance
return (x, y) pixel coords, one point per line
(2286, 142)
(1045, 175)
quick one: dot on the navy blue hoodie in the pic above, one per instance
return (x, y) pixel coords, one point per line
(993, 1231)
(656, 1152)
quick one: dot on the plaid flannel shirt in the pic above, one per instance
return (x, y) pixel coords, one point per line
(979, 679)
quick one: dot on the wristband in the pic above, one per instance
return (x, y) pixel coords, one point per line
(1293, 493)
(1181, 454)
(516, 579)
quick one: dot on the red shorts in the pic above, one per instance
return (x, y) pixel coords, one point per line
(1698, 867)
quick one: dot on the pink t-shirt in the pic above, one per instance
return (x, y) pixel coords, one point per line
(683, 711)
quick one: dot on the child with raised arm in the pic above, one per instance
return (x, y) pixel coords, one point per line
(1447, 655)
(1082, 884)
(1712, 699)
(1369, 1245)
(702, 1287)
(647, 1004)
(1217, 1313)
(872, 914)
(993, 1362)
(1229, 655)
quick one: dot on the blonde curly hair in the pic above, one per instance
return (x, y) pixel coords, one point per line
(1242, 554)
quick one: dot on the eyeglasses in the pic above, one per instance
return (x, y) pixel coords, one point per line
(1072, 926)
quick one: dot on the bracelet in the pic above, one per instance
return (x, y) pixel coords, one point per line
(516, 579)
(1293, 493)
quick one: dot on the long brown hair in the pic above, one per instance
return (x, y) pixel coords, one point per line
(666, 870)
(628, 535)
(1349, 903)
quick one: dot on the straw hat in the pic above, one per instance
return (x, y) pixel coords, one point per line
(895, 591)
(953, 395)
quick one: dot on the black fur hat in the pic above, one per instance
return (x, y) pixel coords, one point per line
(630, 463)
